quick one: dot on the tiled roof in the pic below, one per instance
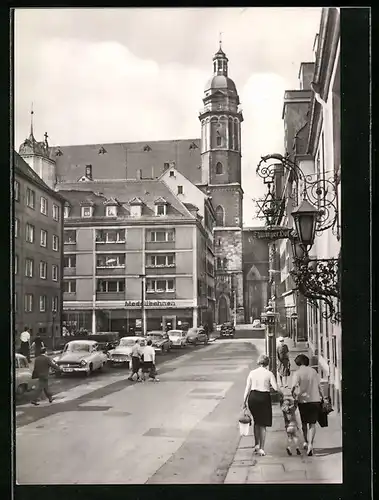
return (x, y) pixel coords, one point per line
(125, 191)
(22, 168)
(124, 160)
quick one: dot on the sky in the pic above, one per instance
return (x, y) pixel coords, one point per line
(138, 74)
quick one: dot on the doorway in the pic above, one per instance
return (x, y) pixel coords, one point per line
(168, 323)
(223, 310)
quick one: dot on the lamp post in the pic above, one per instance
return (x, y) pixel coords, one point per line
(143, 326)
(53, 331)
(294, 318)
(270, 322)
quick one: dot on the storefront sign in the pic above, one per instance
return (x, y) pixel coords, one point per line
(159, 304)
(272, 233)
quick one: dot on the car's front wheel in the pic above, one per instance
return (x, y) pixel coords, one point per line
(90, 370)
(21, 389)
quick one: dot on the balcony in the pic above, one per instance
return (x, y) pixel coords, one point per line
(69, 271)
(69, 246)
(161, 270)
(160, 295)
(69, 296)
(110, 295)
(105, 246)
(110, 271)
(160, 245)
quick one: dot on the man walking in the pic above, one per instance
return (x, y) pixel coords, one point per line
(42, 364)
(149, 361)
(25, 343)
(136, 361)
(307, 390)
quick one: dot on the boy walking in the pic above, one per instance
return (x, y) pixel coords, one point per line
(288, 406)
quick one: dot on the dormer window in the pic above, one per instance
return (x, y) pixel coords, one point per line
(111, 211)
(87, 211)
(160, 206)
(102, 151)
(136, 207)
(89, 171)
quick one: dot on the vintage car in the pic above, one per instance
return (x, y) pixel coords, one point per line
(81, 356)
(257, 323)
(23, 380)
(160, 341)
(178, 338)
(197, 336)
(121, 355)
(227, 330)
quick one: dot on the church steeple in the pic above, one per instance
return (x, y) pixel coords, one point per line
(220, 61)
(31, 136)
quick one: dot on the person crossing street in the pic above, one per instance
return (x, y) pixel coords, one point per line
(136, 361)
(42, 363)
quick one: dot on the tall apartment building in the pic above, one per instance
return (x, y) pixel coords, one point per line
(38, 236)
(135, 255)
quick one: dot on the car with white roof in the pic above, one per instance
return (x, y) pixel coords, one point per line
(122, 354)
(81, 356)
(178, 338)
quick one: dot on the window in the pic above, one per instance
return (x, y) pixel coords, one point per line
(89, 171)
(111, 211)
(55, 243)
(69, 286)
(166, 166)
(42, 303)
(54, 304)
(56, 212)
(160, 210)
(110, 286)
(161, 260)
(69, 261)
(222, 263)
(43, 205)
(110, 260)
(43, 240)
(136, 210)
(219, 168)
(66, 211)
(16, 227)
(16, 190)
(157, 236)
(28, 302)
(219, 216)
(218, 140)
(110, 236)
(29, 230)
(69, 236)
(158, 285)
(180, 189)
(30, 198)
(15, 264)
(29, 265)
(54, 272)
(87, 211)
(43, 270)
(172, 173)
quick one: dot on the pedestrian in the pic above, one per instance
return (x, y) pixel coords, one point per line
(257, 398)
(42, 363)
(136, 361)
(284, 367)
(37, 345)
(288, 405)
(25, 343)
(307, 390)
(149, 362)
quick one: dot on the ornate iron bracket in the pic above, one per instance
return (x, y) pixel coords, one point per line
(270, 208)
(319, 279)
(321, 193)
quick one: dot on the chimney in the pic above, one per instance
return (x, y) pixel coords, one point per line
(139, 174)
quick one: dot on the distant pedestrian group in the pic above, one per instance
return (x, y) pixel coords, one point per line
(305, 395)
(143, 362)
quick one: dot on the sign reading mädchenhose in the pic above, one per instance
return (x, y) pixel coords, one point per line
(160, 304)
(272, 233)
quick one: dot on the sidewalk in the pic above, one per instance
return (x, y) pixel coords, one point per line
(277, 467)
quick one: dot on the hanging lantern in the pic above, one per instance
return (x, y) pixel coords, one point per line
(298, 250)
(305, 217)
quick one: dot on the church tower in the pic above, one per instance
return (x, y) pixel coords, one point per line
(37, 156)
(221, 121)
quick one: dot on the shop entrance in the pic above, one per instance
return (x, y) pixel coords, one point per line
(168, 323)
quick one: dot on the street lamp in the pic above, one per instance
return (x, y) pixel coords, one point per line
(298, 249)
(294, 318)
(270, 322)
(305, 218)
(143, 276)
(53, 330)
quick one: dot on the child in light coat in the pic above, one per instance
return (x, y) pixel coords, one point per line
(288, 406)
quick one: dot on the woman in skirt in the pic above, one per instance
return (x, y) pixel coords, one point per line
(257, 398)
(284, 367)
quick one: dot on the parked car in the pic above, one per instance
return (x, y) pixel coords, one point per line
(81, 356)
(197, 336)
(121, 355)
(227, 330)
(160, 341)
(24, 381)
(178, 338)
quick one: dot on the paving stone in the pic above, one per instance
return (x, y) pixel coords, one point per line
(237, 475)
(271, 471)
(255, 475)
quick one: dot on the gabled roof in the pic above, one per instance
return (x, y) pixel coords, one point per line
(135, 201)
(160, 201)
(124, 160)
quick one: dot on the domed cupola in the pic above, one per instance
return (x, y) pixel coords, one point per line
(33, 147)
(220, 79)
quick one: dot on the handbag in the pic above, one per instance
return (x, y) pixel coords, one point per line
(326, 406)
(322, 417)
(244, 417)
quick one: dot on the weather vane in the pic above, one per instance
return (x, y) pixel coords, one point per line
(220, 41)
